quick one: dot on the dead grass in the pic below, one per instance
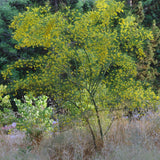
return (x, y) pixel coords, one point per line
(138, 140)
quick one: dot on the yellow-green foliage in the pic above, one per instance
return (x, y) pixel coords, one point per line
(4, 100)
(2, 89)
(132, 36)
(6, 114)
(34, 116)
(88, 60)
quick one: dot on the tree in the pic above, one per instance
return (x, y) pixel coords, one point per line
(150, 11)
(148, 68)
(7, 50)
(91, 63)
(8, 54)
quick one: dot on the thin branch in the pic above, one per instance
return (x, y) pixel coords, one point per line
(98, 118)
(92, 133)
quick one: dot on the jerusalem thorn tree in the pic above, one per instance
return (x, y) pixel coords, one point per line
(91, 63)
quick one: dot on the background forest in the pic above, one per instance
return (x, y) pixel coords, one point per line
(80, 73)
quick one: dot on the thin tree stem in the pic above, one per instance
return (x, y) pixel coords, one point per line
(98, 118)
(92, 133)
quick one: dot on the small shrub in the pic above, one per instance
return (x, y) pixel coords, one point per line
(35, 117)
(7, 116)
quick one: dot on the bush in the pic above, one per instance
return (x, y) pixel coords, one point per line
(7, 116)
(35, 117)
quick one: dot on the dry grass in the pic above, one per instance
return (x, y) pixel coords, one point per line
(138, 140)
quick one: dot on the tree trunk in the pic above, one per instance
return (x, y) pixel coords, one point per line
(98, 119)
(92, 133)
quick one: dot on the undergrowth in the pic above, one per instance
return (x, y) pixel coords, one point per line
(136, 140)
